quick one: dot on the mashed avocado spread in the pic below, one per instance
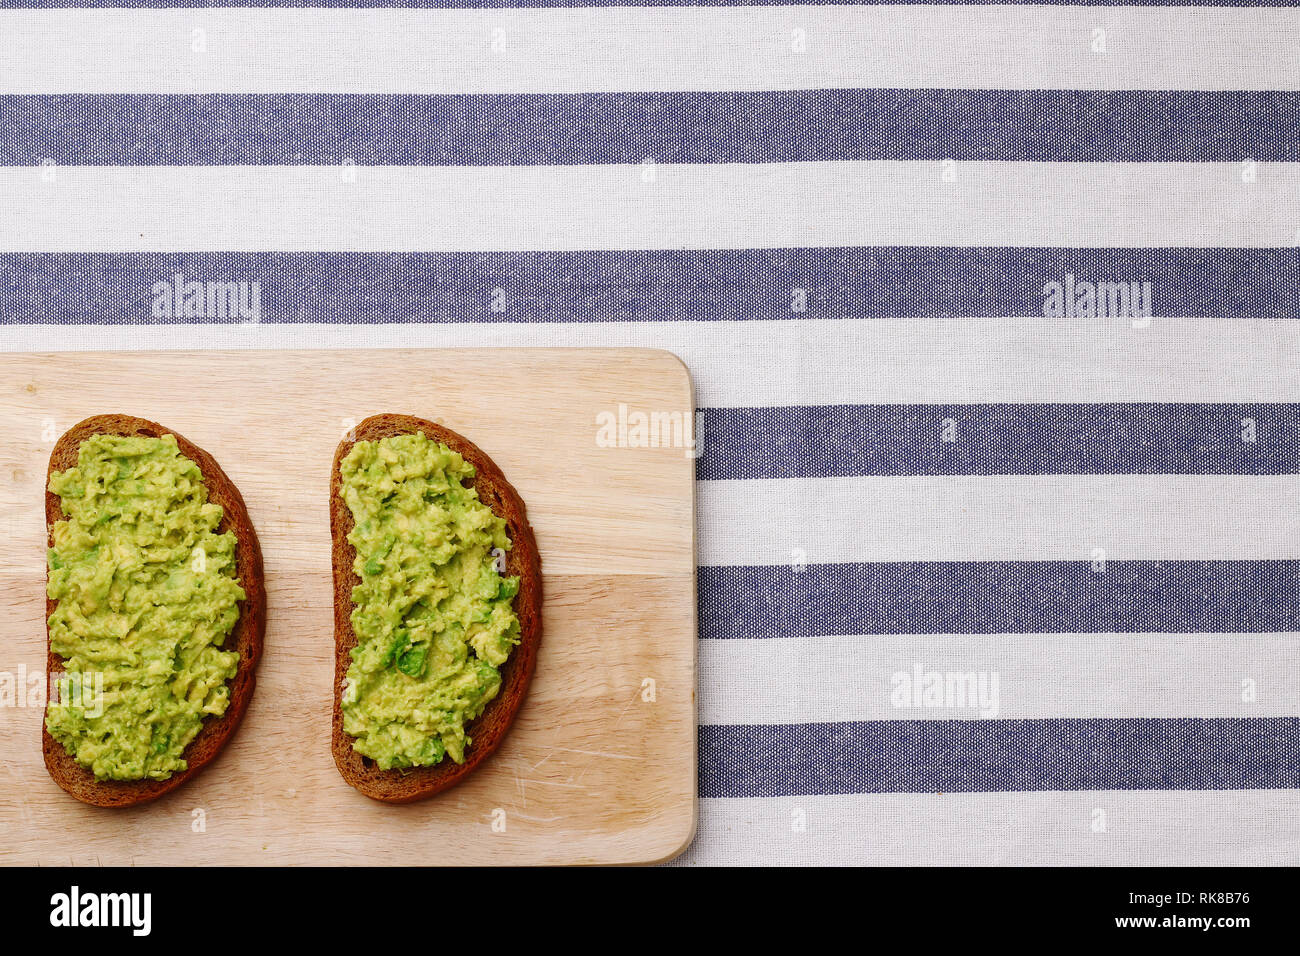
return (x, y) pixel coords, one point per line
(433, 615)
(146, 593)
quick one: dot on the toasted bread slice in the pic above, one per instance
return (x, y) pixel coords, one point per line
(490, 727)
(246, 637)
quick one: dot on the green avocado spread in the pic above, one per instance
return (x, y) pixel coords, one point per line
(147, 593)
(433, 614)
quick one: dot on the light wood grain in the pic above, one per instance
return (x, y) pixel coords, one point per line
(592, 772)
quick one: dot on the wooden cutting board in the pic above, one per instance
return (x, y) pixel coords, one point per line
(601, 764)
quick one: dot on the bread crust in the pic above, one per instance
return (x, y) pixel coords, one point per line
(246, 638)
(491, 726)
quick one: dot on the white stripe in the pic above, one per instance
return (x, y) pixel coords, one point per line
(714, 205)
(1141, 828)
(802, 680)
(682, 48)
(999, 518)
(798, 362)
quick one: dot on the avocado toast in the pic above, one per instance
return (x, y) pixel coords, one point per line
(142, 597)
(436, 646)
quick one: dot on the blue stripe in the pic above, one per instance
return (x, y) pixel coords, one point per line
(987, 756)
(657, 285)
(999, 597)
(543, 4)
(825, 441)
(674, 127)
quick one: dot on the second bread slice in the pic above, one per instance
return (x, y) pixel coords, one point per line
(523, 560)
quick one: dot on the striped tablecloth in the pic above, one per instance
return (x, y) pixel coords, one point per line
(991, 309)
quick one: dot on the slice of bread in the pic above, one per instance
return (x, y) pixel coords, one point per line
(246, 638)
(490, 727)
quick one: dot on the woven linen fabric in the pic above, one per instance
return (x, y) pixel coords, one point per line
(992, 312)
